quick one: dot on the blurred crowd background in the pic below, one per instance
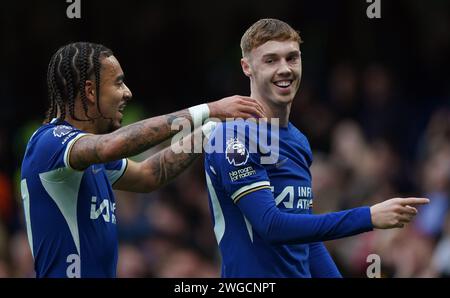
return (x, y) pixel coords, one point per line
(374, 103)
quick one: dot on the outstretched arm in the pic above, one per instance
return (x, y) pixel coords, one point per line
(279, 227)
(140, 136)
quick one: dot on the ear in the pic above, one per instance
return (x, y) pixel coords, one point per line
(246, 67)
(89, 89)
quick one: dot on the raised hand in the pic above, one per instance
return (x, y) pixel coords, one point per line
(236, 106)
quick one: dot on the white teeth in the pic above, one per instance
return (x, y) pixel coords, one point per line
(283, 83)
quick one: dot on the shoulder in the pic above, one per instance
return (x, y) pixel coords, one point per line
(50, 141)
(301, 140)
(239, 126)
(297, 134)
(238, 132)
(51, 133)
(234, 143)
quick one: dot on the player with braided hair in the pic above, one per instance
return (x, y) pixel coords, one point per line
(74, 64)
(79, 154)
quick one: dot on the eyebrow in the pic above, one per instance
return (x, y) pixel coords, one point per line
(271, 55)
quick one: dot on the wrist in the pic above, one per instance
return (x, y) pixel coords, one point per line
(371, 216)
(212, 109)
(199, 114)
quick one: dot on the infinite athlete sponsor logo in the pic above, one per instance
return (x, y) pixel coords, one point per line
(294, 197)
(106, 209)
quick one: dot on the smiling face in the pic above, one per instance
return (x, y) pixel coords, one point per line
(274, 69)
(114, 95)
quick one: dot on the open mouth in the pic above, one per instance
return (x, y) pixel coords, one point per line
(283, 83)
(122, 108)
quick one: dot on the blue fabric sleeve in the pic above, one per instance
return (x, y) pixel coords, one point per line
(52, 148)
(115, 169)
(321, 265)
(285, 228)
(237, 167)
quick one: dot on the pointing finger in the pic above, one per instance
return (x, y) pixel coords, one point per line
(414, 201)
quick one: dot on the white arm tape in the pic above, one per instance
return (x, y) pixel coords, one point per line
(199, 114)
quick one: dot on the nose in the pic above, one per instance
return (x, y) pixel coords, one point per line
(127, 95)
(284, 69)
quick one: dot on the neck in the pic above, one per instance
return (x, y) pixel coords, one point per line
(272, 110)
(90, 126)
(87, 126)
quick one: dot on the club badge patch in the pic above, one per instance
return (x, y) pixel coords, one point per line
(236, 153)
(61, 130)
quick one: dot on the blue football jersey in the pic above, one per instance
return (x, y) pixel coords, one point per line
(243, 181)
(69, 214)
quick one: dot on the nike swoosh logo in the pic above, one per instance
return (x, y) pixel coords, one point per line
(96, 170)
(279, 164)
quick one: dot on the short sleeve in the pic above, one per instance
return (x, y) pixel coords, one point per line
(52, 147)
(115, 169)
(235, 161)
